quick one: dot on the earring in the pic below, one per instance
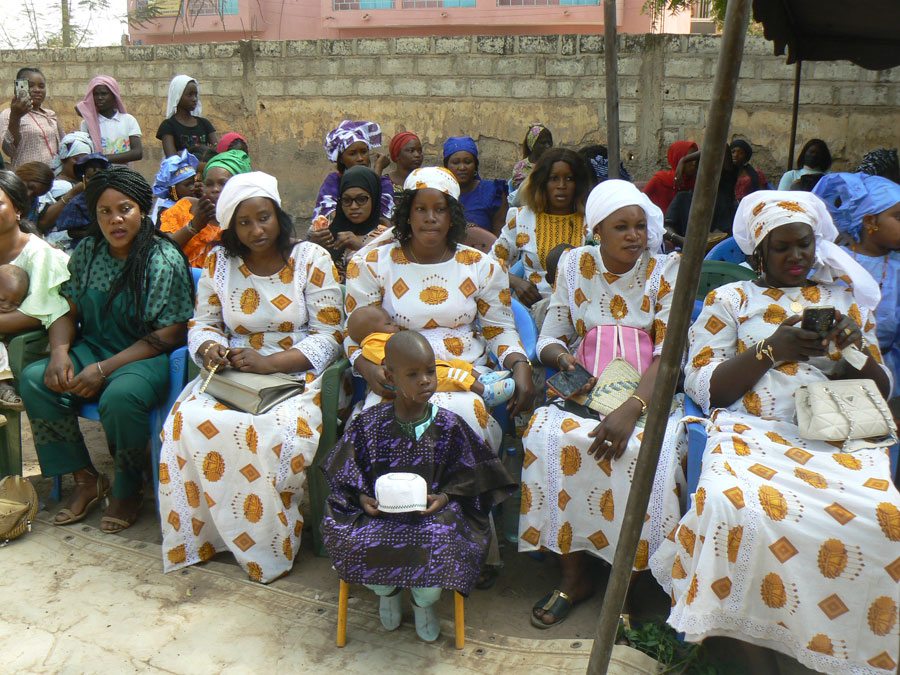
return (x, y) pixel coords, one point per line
(873, 229)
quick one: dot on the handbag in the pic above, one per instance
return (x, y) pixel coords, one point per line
(251, 392)
(18, 507)
(617, 356)
(843, 410)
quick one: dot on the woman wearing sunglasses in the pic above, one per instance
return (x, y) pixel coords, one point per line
(354, 222)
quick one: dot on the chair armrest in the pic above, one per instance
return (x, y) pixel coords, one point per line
(696, 444)
(27, 348)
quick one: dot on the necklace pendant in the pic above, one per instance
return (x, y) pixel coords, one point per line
(796, 307)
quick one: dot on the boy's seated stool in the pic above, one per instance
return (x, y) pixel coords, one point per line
(458, 616)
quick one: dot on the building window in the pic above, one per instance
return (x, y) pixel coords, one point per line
(544, 3)
(436, 4)
(172, 8)
(340, 5)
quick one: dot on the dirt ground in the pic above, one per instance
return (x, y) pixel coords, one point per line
(498, 630)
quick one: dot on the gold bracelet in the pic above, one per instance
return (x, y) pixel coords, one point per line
(208, 347)
(641, 401)
(559, 356)
(762, 348)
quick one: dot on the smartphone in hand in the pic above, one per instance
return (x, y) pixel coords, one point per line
(566, 382)
(22, 89)
(818, 319)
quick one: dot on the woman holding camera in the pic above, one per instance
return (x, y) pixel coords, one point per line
(790, 543)
(28, 131)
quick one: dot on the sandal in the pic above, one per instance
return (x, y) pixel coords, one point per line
(557, 604)
(10, 399)
(120, 524)
(487, 578)
(70, 517)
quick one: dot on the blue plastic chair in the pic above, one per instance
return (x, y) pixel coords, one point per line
(727, 250)
(528, 333)
(518, 269)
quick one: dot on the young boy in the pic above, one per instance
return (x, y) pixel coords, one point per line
(75, 218)
(372, 326)
(13, 289)
(426, 551)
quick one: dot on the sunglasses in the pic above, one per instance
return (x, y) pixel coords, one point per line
(360, 200)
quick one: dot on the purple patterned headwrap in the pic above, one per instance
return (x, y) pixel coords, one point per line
(349, 132)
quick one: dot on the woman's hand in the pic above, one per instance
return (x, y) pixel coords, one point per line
(204, 212)
(19, 107)
(566, 361)
(369, 506)
(844, 332)
(87, 383)
(523, 399)
(792, 343)
(348, 240)
(249, 361)
(373, 374)
(59, 372)
(213, 354)
(435, 504)
(611, 436)
(381, 163)
(323, 238)
(525, 291)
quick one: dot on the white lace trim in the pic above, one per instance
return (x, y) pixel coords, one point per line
(699, 627)
(546, 342)
(196, 338)
(699, 391)
(660, 492)
(319, 350)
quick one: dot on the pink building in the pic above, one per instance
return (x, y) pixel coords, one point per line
(225, 20)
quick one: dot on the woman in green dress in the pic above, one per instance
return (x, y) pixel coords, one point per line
(130, 295)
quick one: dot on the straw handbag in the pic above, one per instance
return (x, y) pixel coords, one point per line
(617, 356)
(18, 507)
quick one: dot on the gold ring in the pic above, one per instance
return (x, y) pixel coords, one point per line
(848, 332)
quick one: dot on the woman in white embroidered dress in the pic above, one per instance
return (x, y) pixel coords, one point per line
(429, 282)
(577, 472)
(229, 480)
(790, 544)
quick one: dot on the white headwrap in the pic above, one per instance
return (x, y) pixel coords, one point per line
(436, 177)
(612, 195)
(74, 143)
(765, 210)
(176, 88)
(242, 187)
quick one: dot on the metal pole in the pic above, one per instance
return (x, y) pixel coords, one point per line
(724, 87)
(794, 114)
(610, 49)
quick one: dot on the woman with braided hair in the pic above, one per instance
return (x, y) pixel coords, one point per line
(131, 291)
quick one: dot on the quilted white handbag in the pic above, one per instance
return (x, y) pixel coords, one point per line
(843, 410)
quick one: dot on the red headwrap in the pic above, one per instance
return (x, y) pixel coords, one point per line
(399, 141)
(227, 140)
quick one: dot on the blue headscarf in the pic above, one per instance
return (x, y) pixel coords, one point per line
(860, 195)
(458, 143)
(173, 170)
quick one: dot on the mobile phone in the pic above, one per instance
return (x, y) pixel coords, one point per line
(818, 319)
(567, 382)
(22, 89)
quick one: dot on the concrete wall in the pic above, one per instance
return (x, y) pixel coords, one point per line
(284, 96)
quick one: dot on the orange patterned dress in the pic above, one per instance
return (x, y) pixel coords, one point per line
(570, 502)
(229, 480)
(179, 215)
(789, 543)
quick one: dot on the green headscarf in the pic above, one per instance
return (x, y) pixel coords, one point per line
(233, 161)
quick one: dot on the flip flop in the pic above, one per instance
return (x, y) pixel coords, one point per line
(72, 517)
(10, 399)
(557, 604)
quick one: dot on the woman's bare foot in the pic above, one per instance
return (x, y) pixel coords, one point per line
(121, 513)
(90, 488)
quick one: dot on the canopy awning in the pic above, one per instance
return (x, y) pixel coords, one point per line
(866, 32)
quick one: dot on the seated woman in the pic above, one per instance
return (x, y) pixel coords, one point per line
(46, 266)
(406, 154)
(867, 208)
(355, 222)
(814, 158)
(484, 201)
(749, 179)
(664, 185)
(538, 140)
(131, 293)
(196, 228)
(350, 145)
(790, 543)
(575, 458)
(429, 282)
(230, 480)
(553, 195)
(440, 547)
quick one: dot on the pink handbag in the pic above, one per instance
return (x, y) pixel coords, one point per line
(603, 344)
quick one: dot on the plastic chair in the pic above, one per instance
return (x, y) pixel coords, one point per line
(727, 250)
(528, 333)
(458, 616)
(518, 269)
(715, 273)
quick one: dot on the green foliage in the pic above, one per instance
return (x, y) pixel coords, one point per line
(660, 641)
(657, 7)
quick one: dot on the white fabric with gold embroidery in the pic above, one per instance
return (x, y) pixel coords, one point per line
(233, 481)
(441, 301)
(569, 501)
(789, 543)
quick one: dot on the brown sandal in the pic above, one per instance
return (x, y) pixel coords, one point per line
(70, 517)
(10, 399)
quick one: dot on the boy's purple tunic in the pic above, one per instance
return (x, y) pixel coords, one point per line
(405, 549)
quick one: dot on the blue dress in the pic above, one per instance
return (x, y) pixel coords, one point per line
(481, 203)
(886, 271)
